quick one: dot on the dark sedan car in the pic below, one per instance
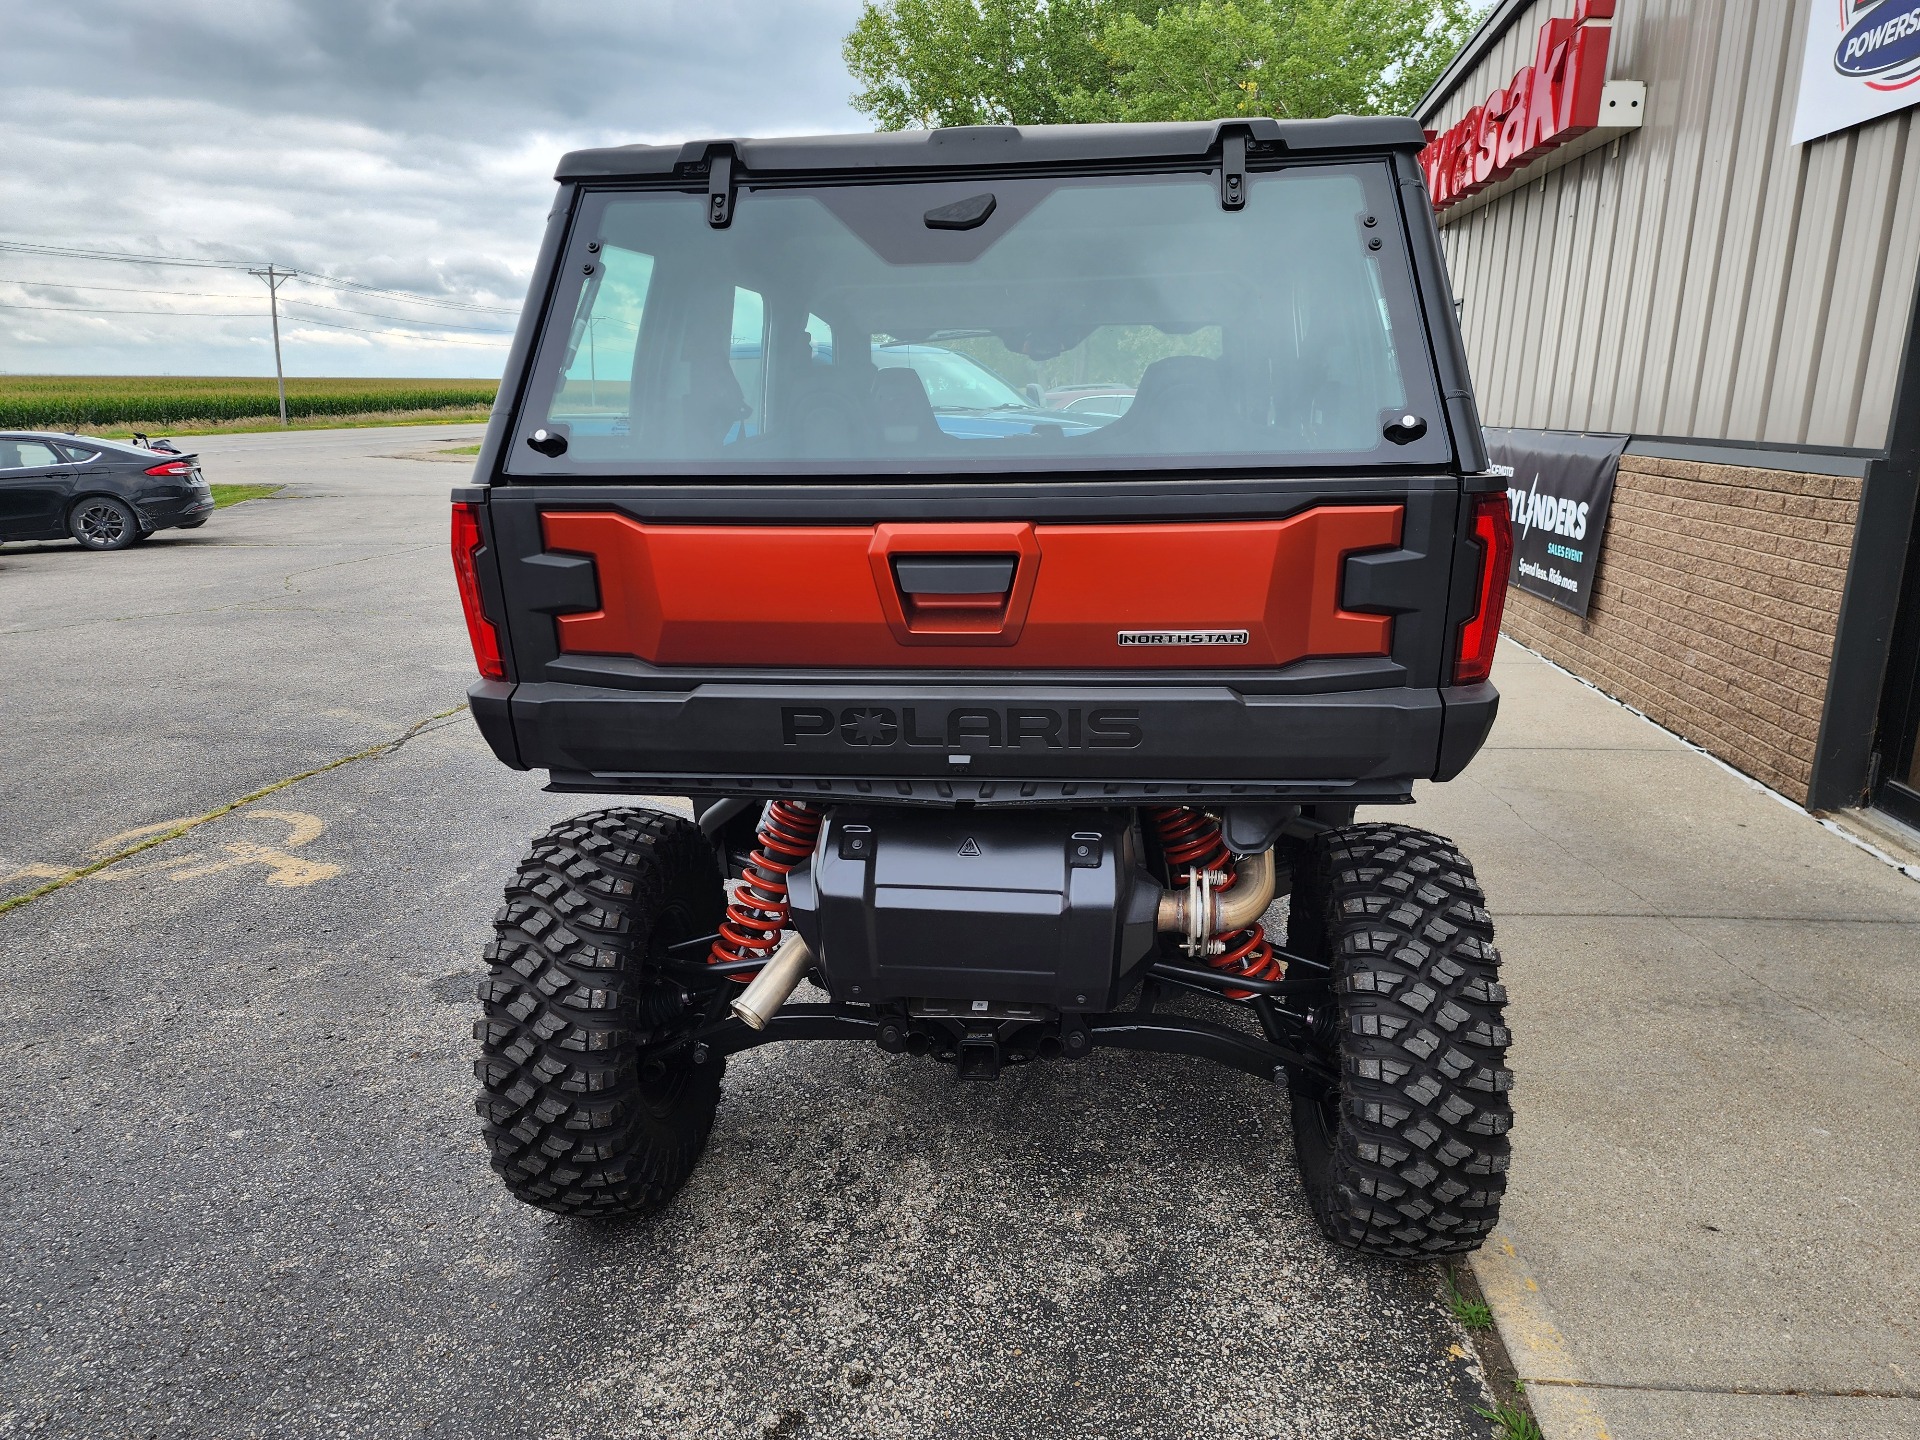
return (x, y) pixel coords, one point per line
(106, 494)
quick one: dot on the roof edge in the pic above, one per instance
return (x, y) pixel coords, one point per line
(996, 145)
(1488, 33)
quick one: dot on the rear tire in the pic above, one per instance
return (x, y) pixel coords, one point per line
(1407, 1155)
(573, 1000)
(100, 522)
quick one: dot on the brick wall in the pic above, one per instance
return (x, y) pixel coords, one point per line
(1715, 608)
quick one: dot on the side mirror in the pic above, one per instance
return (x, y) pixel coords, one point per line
(1036, 396)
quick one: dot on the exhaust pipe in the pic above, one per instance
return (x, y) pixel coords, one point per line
(769, 990)
(1203, 912)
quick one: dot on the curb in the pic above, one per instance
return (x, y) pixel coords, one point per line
(1562, 1405)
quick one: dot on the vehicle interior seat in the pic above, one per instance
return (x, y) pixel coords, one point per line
(1181, 407)
(713, 405)
(902, 413)
(823, 417)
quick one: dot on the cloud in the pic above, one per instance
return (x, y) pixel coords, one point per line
(404, 144)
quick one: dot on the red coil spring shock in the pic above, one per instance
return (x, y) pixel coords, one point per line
(1191, 840)
(757, 910)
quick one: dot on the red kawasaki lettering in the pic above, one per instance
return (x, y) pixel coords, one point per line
(1547, 104)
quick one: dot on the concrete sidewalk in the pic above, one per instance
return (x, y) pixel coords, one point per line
(1713, 1226)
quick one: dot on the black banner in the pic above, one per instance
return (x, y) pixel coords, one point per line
(1560, 493)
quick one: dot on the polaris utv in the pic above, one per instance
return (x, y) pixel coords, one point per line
(1025, 548)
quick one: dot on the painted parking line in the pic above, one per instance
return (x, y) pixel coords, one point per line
(148, 837)
(280, 867)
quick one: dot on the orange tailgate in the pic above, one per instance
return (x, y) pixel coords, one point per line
(1045, 596)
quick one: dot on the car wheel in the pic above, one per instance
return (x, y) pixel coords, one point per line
(101, 522)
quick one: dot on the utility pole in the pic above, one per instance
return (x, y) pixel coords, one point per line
(275, 279)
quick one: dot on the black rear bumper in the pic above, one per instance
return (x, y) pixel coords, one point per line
(166, 512)
(987, 744)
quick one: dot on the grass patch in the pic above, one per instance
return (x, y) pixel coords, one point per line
(476, 415)
(225, 495)
(462, 450)
(72, 402)
(1510, 1422)
(1470, 1311)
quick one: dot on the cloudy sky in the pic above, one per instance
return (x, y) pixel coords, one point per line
(406, 145)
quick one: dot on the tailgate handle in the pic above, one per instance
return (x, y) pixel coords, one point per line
(965, 583)
(935, 575)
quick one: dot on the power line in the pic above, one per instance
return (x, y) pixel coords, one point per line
(129, 289)
(251, 315)
(402, 319)
(90, 310)
(221, 295)
(310, 278)
(431, 339)
(30, 248)
(26, 247)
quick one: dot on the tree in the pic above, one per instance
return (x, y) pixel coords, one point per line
(927, 63)
(961, 62)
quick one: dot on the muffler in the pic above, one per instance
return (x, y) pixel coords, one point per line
(777, 979)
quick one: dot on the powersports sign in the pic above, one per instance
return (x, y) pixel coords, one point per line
(1560, 494)
(1862, 62)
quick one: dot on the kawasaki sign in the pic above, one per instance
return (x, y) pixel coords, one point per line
(1554, 110)
(1862, 62)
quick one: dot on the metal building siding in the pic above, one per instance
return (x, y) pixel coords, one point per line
(1880, 374)
(1753, 166)
(1701, 277)
(1859, 275)
(1713, 210)
(1692, 201)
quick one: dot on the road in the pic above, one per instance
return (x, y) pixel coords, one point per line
(244, 1186)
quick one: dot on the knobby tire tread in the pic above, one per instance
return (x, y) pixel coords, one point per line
(1409, 1157)
(569, 1004)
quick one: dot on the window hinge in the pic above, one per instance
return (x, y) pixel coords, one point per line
(720, 189)
(1233, 171)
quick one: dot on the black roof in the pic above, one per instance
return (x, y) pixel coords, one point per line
(74, 437)
(997, 145)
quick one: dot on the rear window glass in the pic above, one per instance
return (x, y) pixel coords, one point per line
(1077, 324)
(26, 454)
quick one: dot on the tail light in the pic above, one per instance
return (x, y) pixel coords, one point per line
(467, 544)
(170, 467)
(1493, 533)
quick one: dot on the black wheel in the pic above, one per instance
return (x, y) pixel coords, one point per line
(1407, 1155)
(101, 522)
(578, 1118)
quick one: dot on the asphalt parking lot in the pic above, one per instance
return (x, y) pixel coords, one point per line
(244, 1186)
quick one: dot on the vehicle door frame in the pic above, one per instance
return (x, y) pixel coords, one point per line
(29, 518)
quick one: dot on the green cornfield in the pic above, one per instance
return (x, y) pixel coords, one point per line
(70, 402)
